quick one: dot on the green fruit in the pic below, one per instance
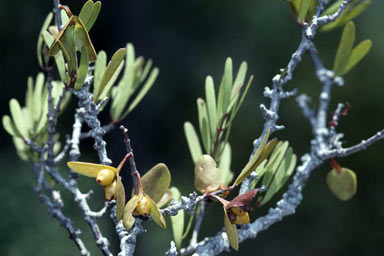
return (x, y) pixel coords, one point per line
(342, 183)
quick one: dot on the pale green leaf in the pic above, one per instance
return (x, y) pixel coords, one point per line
(358, 53)
(193, 141)
(100, 65)
(18, 117)
(89, 169)
(151, 79)
(128, 219)
(225, 165)
(251, 165)
(345, 48)
(303, 8)
(357, 10)
(46, 23)
(211, 105)
(59, 58)
(108, 88)
(10, 127)
(204, 124)
(178, 220)
(83, 68)
(225, 89)
(113, 65)
(120, 198)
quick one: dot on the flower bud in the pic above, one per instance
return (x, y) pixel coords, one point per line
(238, 214)
(143, 206)
(242, 219)
(110, 191)
(105, 177)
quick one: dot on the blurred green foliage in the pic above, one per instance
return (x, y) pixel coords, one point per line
(189, 40)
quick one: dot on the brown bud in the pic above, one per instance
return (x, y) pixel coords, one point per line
(105, 177)
(143, 206)
(110, 191)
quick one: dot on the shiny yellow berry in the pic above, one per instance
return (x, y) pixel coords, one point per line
(143, 206)
(110, 191)
(105, 177)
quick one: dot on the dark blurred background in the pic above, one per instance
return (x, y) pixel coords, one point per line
(189, 40)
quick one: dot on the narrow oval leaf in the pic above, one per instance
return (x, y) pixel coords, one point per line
(113, 65)
(10, 127)
(156, 215)
(178, 220)
(82, 39)
(211, 105)
(251, 165)
(120, 198)
(204, 124)
(225, 89)
(357, 10)
(156, 181)
(345, 48)
(18, 117)
(59, 58)
(40, 40)
(100, 65)
(150, 81)
(342, 183)
(89, 169)
(231, 230)
(303, 8)
(225, 165)
(193, 141)
(94, 15)
(86, 11)
(128, 219)
(108, 88)
(358, 53)
(83, 69)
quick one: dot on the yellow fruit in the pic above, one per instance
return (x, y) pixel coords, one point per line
(238, 211)
(143, 206)
(105, 177)
(242, 219)
(110, 191)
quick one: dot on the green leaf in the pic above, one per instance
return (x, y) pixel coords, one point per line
(120, 198)
(108, 88)
(100, 65)
(342, 183)
(303, 8)
(281, 175)
(82, 39)
(193, 141)
(358, 53)
(231, 231)
(211, 105)
(260, 170)
(10, 127)
(178, 220)
(144, 90)
(156, 181)
(89, 13)
(274, 162)
(240, 102)
(345, 48)
(332, 8)
(128, 219)
(59, 58)
(240, 77)
(225, 89)
(46, 23)
(83, 69)
(252, 164)
(165, 199)
(38, 103)
(156, 215)
(204, 124)
(18, 117)
(353, 13)
(225, 165)
(113, 65)
(64, 17)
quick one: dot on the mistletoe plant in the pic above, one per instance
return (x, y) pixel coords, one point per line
(71, 67)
